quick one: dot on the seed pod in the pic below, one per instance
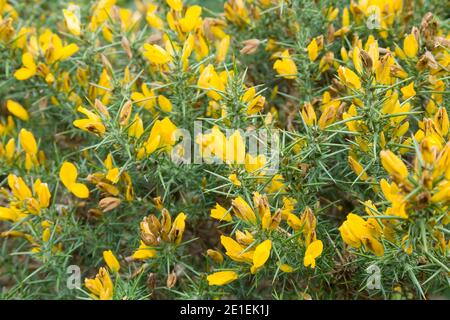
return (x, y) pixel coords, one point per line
(109, 203)
(151, 281)
(428, 28)
(126, 46)
(125, 113)
(171, 280)
(250, 46)
(149, 239)
(107, 65)
(101, 108)
(366, 60)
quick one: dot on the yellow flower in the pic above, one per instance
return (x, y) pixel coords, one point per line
(210, 80)
(243, 210)
(72, 20)
(222, 278)
(111, 261)
(18, 187)
(215, 255)
(145, 99)
(286, 268)
(156, 55)
(11, 214)
(253, 164)
(349, 78)
(393, 165)
(313, 50)
(235, 251)
(164, 104)
(328, 116)
(136, 128)
(176, 5)
(192, 19)
(222, 49)
(92, 123)
(176, 233)
(152, 18)
(162, 136)
(357, 168)
(309, 115)
(28, 142)
(294, 222)
(235, 180)
(285, 66)
(313, 251)
(276, 184)
(101, 287)
(408, 91)
(410, 46)
(355, 231)
(261, 255)
(68, 175)
(288, 207)
(42, 193)
(17, 110)
(443, 193)
(144, 252)
(220, 213)
(235, 149)
(29, 68)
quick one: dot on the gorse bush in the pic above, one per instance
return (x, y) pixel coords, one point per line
(245, 149)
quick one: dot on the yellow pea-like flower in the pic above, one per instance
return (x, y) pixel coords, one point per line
(410, 46)
(68, 175)
(215, 255)
(261, 255)
(144, 252)
(92, 123)
(236, 251)
(313, 251)
(235, 180)
(101, 287)
(111, 261)
(222, 49)
(357, 168)
(176, 233)
(286, 268)
(191, 19)
(72, 20)
(156, 55)
(43, 193)
(243, 210)
(235, 148)
(176, 5)
(164, 103)
(285, 66)
(17, 110)
(253, 164)
(394, 165)
(222, 278)
(408, 91)
(349, 78)
(29, 68)
(313, 50)
(28, 142)
(220, 213)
